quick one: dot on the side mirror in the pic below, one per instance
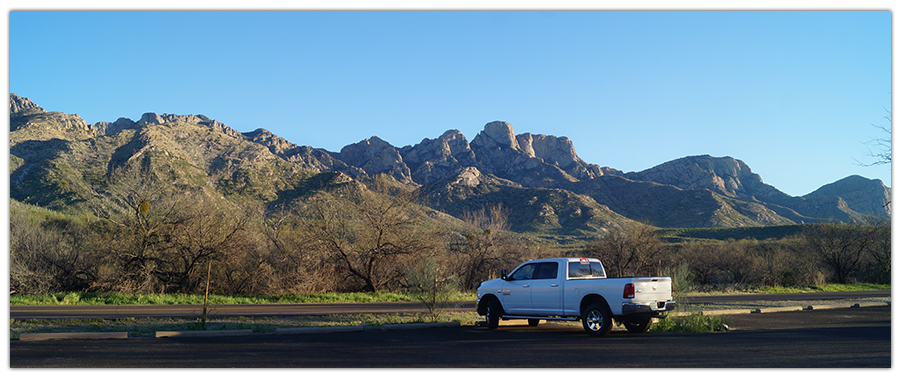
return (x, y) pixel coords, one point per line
(503, 274)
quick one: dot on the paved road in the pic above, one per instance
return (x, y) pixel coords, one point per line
(136, 311)
(847, 337)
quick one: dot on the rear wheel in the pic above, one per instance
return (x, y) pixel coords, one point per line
(492, 313)
(638, 325)
(596, 319)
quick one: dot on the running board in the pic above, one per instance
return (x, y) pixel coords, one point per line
(547, 318)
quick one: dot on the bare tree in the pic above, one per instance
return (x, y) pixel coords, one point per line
(882, 145)
(838, 246)
(139, 212)
(879, 249)
(370, 233)
(209, 231)
(632, 251)
(292, 255)
(486, 246)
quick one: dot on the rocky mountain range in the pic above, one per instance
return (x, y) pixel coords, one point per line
(55, 158)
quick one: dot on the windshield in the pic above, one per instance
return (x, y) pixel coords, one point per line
(523, 273)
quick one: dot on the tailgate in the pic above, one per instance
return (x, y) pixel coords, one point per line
(654, 289)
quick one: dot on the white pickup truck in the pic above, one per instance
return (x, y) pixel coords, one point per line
(572, 289)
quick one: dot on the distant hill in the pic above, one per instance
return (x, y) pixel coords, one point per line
(58, 161)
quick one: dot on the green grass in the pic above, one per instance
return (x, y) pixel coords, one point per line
(799, 289)
(694, 323)
(82, 298)
(736, 233)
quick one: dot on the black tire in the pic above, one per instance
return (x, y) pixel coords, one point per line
(492, 311)
(596, 319)
(638, 325)
(533, 322)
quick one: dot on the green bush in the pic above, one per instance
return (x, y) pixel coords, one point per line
(693, 323)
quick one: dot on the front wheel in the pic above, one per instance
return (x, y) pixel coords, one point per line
(596, 319)
(638, 325)
(492, 313)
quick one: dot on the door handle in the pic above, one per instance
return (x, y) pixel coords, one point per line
(525, 286)
(554, 285)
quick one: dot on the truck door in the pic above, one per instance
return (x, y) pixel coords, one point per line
(517, 290)
(546, 294)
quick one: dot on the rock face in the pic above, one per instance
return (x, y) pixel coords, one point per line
(560, 151)
(376, 156)
(434, 159)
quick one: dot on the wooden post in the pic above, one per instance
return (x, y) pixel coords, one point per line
(206, 296)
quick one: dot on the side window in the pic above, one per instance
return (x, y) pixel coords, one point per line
(597, 270)
(524, 273)
(547, 270)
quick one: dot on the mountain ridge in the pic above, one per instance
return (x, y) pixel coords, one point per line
(539, 178)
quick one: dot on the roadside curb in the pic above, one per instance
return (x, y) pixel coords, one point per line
(317, 330)
(72, 335)
(194, 334)
(776, 309)
(768, 310)
(413, 326)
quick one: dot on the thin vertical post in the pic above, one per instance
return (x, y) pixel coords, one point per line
(206, 296)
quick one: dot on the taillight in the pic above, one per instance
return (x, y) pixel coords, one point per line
(629, 291)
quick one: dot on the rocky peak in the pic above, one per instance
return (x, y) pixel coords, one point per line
(868, 197)
(724, 175)
(50, 125)
(151, 119)
(450, 148)
(23, 106)
(559, 152)
(555, 150)
(435, 159)
(276, 144)
(375, 156)
(362, 151)
(497, 135)
(317, 160)
(106, 128)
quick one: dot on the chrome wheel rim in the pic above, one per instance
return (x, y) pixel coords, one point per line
(594, 320)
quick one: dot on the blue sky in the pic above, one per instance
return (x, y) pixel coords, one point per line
(793, 94)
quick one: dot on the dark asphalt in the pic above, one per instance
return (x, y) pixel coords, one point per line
(838, 338)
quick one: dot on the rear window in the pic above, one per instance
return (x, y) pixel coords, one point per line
(579, 270)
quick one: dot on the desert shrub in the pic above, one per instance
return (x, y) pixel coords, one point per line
(47, 253)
